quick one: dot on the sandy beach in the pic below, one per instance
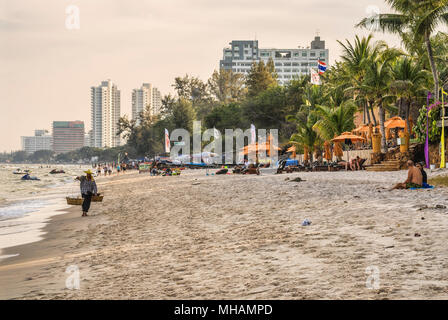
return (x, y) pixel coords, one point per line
(241, 237)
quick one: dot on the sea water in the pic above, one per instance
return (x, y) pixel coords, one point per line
(25, 206)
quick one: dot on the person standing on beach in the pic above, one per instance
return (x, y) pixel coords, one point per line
(88, 189)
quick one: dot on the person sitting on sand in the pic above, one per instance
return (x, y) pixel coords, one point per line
(422, 170)
(414, 180)
(88, 189)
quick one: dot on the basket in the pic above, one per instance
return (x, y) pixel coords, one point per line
(75, 201)
(98, 198)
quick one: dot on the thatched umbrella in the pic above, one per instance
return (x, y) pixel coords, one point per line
(328, 154)
(293, 150)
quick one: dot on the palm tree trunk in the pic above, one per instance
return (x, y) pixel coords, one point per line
(373, 114)
(400, 107)
(364, 114)
(382, 129)
(433, 65)
(408, 110)
(366, 106)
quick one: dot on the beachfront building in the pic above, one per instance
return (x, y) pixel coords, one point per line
(105, 113)
(40, 141)
(146, 96)
(87, 139)
(289, 63)
(68, 136)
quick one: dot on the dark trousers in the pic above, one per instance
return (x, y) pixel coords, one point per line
(86, 202)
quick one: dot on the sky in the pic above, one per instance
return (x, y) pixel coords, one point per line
(47, 68)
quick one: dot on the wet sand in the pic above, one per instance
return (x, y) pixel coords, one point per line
(240, 237)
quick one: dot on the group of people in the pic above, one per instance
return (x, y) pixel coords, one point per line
(353, 164)
(417, 177)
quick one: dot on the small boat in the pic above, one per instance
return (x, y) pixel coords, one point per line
(54, 171)
(20, 171)
(28, 177)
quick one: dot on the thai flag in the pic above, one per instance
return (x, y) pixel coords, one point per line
(322, 66)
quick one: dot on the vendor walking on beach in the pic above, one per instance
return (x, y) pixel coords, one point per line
(88, 189)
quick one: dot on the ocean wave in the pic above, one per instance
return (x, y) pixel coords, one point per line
(19, 209)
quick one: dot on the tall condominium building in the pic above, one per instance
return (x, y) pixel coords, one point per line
(68, 136)
(40, 141)
(143, 97)
(289, 63)
(105, 113)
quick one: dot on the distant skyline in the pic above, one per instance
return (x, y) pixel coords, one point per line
(46, 70)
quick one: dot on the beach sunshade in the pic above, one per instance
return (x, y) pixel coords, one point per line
(328, 154)
(395, 122)
(306, 154)
(348, 136)
(338, 149)
(291, 149)
(364, 128)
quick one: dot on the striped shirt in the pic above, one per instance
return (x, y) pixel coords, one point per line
(87, 186)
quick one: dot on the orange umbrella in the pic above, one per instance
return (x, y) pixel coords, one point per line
(364, 128)
(338, 149)
(293, 150)
(258, 148)
(327, 155)
(348, 136)
(395, 122)
(306, 154)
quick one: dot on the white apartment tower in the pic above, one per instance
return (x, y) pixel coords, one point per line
(289, 63)
(105, 113)
(145, 96)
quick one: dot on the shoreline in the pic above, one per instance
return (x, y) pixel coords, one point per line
(240, 237)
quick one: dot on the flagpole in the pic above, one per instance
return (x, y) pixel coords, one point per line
(442, 140)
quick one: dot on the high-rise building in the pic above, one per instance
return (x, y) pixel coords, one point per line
(68, 136)
(144, 97)
(289, 63)
(40, 141)
(105, 113)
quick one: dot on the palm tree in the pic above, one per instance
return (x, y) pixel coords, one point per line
(356, 57)
(333, 121)
(408, 84)
(377, 85)
(416, 18)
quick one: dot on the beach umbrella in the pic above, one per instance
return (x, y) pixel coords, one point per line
(306, 153)
(395, 122)
(293, 150)
(328, 154)
(338, 149)
(348, 136)
(361, 129)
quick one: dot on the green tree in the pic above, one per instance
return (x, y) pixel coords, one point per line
(227, 86)
(261, 77)
(333, 121)
(415, 21)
